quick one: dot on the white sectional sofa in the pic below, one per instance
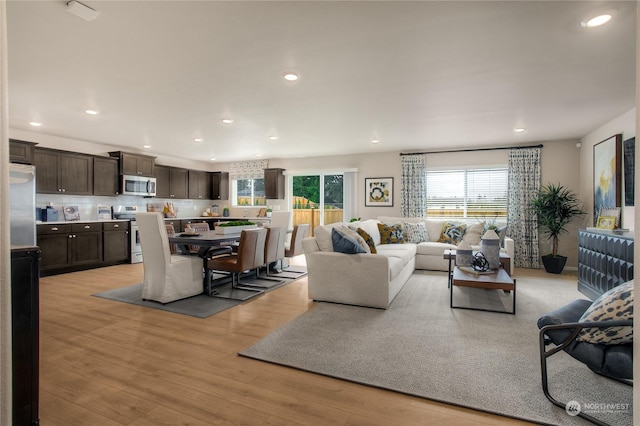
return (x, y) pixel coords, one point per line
(373, 279)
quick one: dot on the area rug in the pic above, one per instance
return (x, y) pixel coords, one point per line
(419, 346)
(200, 306)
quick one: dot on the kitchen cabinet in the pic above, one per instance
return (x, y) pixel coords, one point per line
(171, 182)
(70, 246)
(21, 151)
(106, 180)
(63, 172)
(219, 185)
(135, 164)
(116, 242)
(274, 184)
(199, 185)
(25, 348)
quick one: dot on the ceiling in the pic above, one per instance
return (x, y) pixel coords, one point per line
(415, 75)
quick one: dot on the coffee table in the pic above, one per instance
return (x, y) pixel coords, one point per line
(498, 280)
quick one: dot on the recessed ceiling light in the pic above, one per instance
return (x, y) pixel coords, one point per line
(273, 138)
(198, 140)
(227, 120)
(146, 146)
(35, 124)
(597, 20)
(375, 140)
(91, 111)
(258, 155)
(290, 76)
(519, 130)
(212, 159)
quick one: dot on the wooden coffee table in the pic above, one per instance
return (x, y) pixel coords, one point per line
(498, 280)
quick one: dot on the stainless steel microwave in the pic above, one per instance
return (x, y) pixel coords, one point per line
(139, 185)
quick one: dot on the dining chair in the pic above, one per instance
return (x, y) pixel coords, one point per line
(250, 257)
(173, 247)
(280, 220)
(293, 249)
(213, 251)
(273, 251)
(167, 277)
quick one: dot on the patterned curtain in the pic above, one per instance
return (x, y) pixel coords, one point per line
(524, 185)
(413, 186)
(248, 169)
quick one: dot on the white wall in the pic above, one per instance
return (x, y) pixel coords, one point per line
(624, 124)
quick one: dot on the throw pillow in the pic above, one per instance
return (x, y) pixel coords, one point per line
(345, 229)
(343, 243)
(391, 234)
(615, 304)
(452, 233)
(368, 239)
(415, 232)
(473, 234)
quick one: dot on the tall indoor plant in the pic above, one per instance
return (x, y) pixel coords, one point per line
(555, 206)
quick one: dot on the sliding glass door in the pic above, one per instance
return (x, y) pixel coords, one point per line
(318, 199)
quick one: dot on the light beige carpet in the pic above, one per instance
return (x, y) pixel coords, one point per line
(420, 346)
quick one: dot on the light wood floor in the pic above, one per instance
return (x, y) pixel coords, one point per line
(110, 363)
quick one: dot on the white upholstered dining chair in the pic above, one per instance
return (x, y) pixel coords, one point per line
(167, 277)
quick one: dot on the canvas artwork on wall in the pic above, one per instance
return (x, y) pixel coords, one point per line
(607, 180)
(379, 192)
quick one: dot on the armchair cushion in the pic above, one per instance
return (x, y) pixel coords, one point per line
(615, 304)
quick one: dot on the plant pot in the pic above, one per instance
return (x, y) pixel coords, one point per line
(554, 264)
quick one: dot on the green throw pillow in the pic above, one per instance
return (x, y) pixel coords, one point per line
(452, 233)
(615, 304)
(391, 234)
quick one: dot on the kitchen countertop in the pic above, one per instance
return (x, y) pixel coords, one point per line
(59, 222)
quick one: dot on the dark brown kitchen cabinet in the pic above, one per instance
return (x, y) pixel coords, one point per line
(135, 164)
(105, 176)
(274, 184)
(116, 242)
(21, 151)
(71, 246)
(199, 185)
(63, 172)
(171, 182)
(25, 350)
(219, 185)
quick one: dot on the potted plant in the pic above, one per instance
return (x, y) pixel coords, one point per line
(269, 211)
(555, 206)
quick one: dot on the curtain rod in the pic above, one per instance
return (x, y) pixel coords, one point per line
(471, 150)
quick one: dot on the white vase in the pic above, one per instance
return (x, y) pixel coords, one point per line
(490, 247)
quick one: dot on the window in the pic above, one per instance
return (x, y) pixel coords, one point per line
(467, 193)
(248, 192)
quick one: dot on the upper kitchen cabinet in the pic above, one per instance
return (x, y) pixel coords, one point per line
(63, 172)
(274, 184)
(21, 151)
(106, 180)
(135, 164)
(199, 185)
(219, 185)
(171, 182)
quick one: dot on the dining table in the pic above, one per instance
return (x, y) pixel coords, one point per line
(206, 240)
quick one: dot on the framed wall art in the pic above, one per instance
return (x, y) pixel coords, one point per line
(606, 222)
(607, 174)
(629, 171)
(378, 192)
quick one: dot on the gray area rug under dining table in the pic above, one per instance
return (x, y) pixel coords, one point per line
(422, 347)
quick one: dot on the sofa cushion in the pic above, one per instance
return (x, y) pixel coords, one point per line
(323, 236)
(615, 304)
(368, 240)
(473, 233)
(434, 249)
(415, 232)
(353, 234)
(391, 234)
(395, 267)
(452, 233)
(343, 243)
(434, 228)
(404, 252)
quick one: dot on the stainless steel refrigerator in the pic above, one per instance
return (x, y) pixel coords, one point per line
(22, 202)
